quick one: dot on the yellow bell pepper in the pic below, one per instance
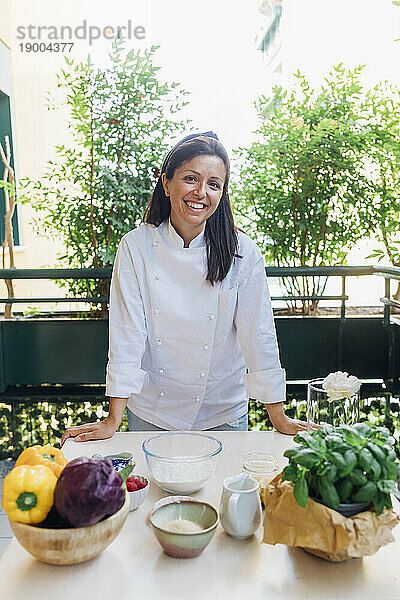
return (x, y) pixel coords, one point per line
(43, 455)
(28, 493)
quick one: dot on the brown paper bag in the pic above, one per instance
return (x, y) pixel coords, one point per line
(321, 530)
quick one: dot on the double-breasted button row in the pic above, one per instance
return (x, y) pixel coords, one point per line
(163, 393)
(202, 374)
(159, 341)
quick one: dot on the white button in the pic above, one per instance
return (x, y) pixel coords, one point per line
(157, 276)
(205, 347)
(157, 309)
(155, 243)
(202, 374)
(159, 342)
(162, 393)
(161, 371)
(197, 399)
(211, 317)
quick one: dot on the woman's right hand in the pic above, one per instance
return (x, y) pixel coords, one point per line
(100, 430)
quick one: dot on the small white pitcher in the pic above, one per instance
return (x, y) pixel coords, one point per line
(240, 506)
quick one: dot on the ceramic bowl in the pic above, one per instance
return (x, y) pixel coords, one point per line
(121, 460)
(171, 499)
(137, 498)
(182, 462)
(184, 545)
(73, 545)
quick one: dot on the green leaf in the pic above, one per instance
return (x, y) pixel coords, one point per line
(350, 435)
(364, 459)
(376, 469)
(388, 486)
(334, 441)
(331, 473)
(357, 477)
(300, 491)
(125, 472)
(391, 466)
(329, 494)
(380, 501)
(365, 493)
(363, 428)
(306, 457)
(290, 473)
(344, 489)
(339, 460)
(308, 440)
(350, 458)
(377, 451)
(289, 453)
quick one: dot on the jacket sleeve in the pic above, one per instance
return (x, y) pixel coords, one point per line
(127, 329)
(265, 380)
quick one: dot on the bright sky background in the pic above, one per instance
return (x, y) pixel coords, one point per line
(210, 48)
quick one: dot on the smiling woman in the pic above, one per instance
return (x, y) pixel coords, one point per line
(195, 191)
(192, 335)
(196, 171)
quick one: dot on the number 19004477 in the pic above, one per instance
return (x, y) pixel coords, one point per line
(43, 47)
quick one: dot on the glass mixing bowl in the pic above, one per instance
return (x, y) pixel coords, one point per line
(182, 462)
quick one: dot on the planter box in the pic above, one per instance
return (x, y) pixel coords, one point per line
(315, 346)
(53, 351)
(74, 351)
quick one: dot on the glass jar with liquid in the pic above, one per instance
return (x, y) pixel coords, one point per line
(261, 466)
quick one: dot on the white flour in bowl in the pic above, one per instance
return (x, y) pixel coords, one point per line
(183, 477)
(183, 526)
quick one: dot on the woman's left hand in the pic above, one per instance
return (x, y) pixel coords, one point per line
(285, 424)
(293, 426)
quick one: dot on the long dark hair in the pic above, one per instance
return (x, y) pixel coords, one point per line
(220, 231)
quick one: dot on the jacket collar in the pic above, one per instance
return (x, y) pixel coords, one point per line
(176, 240)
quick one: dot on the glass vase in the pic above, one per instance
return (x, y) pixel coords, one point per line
(320, 409)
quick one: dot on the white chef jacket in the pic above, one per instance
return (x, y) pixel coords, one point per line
(179, 347)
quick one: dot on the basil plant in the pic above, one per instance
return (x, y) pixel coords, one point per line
(344, 464)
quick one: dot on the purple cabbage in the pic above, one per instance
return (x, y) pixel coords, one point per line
(87, 490)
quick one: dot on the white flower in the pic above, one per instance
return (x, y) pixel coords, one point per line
(340, 385)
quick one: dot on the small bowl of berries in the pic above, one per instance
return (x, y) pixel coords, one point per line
(138, 488)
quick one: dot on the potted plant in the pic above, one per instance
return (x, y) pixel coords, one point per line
(342, 466)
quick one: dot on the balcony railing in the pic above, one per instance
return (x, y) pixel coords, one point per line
(388, 273)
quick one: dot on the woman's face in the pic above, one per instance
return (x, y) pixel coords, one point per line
(195, 191)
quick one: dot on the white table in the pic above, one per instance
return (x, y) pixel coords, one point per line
(135, 567)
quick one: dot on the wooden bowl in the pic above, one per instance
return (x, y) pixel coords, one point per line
(70, 546)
